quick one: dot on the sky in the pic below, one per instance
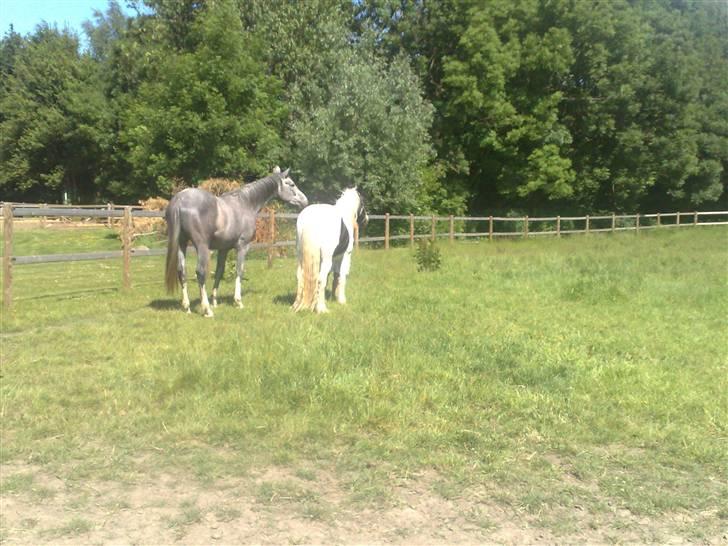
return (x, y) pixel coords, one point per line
(24, 15)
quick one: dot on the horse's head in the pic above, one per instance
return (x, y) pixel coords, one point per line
(288, 191)
(362, 218)
(352, 202)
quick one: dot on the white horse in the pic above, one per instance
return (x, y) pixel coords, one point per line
(325, 240)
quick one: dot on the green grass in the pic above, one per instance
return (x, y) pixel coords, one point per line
(586, 371)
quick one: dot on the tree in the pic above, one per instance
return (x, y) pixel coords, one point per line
(51, 108)
(207, 109)
(355, 118)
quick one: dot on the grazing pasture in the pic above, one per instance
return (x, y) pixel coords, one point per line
(566, 389)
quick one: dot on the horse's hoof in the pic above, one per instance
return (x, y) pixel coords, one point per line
(239, 304)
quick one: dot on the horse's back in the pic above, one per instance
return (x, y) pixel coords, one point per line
(197, 210)
(321, 223)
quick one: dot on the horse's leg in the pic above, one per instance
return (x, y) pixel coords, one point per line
(239, 270)
(299, 285)
(182, 274)
(340, 274)
(321, 288)
(219, 270)
(203, 259)
(335, 269)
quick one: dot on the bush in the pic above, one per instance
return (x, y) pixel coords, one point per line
(427, 255)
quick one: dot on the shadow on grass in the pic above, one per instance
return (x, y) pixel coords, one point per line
(170, 304)
(175, 304)
(285, 299)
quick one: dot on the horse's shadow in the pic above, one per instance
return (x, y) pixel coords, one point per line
(289, 298)
(173, 304)
(285, 299)
(165, 305)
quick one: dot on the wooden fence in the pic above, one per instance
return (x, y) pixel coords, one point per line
(407, 224)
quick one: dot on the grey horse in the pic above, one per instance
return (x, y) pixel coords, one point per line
(219, 223)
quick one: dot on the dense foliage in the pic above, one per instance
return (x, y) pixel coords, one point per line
(447, 106)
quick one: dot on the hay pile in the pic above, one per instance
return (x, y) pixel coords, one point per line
(143, 226)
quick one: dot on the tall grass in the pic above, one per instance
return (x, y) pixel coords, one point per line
(589, 368)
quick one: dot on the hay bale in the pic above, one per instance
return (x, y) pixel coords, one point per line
(218, 186)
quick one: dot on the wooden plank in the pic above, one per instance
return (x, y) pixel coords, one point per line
(490, 228)
(412, 229)
(386, 231)
(558, 226)
(126, 248)
(271, 235)
(7, 256)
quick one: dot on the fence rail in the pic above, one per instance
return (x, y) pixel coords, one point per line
(10, 211)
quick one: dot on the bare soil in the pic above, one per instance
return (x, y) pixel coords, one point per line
(277, 506)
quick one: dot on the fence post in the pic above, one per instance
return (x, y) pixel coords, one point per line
(412, 230)
(677, 219)
(109, 220)
(659, 223)
(558, 225)
(695, 218)
(386, 231)
(432, 237)
(452, 229)
(587, 224)
(271, 235)
(43, 219)
(490, 228)
(126, 250)
(525, 226)
(8, 256)
(614, 222)
(637, 223)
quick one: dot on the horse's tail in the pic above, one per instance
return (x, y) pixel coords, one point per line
(173, 228)
(309, 258)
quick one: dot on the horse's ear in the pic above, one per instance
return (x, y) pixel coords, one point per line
(285, 173)
(276, 169)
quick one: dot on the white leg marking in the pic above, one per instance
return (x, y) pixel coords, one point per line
(321, 289)
(185, 298)
(237, 297)
(206, 309)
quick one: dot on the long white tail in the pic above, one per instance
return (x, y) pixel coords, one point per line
(309, 259)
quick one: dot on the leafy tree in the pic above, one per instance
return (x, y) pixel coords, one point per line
(205, 110)
(51, 110)
(355, 117)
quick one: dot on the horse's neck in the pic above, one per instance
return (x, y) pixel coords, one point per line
(258, 193)
(347, 209)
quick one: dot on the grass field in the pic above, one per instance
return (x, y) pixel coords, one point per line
(578, 384)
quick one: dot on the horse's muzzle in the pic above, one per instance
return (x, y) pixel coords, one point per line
(301, 201)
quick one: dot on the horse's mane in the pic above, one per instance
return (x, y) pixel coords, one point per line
(349, 199)
(259, 189)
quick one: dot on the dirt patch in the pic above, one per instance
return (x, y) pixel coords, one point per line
(281, 506)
